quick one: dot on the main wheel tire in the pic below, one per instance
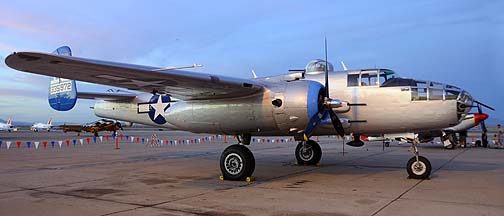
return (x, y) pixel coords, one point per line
(237, 163)
(310, 154)
(252, 161)
(420, 169)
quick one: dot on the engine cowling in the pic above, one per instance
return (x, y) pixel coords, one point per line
(294, 103)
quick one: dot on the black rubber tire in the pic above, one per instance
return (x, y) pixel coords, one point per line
(315, 154)
(237, 152)
(252, 161)
(424, 173)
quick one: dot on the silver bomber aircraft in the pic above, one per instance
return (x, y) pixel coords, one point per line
(301, 103)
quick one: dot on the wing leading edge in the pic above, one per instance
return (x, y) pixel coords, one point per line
(180, 84)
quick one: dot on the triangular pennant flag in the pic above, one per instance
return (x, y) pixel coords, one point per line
(36, 144)
(52, 144)
(0, 144)
(101, 138)
(60, 143)
(162, 142)
(94, 139)
(45, 144)
(87, 140)
(132, 138)
(74, 142)
(67, 142)
(28, 144)
(18, 143)
(81, 141)
(8, 144)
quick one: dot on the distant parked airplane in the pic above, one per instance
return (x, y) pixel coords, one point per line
(6, 126)
(41, 126)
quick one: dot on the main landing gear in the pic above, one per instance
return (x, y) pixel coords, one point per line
(237, 163)
(418, 167)
(308, 153)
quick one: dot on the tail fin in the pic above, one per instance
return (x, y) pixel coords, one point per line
(9, 121)
(62, 92)
(49, 121)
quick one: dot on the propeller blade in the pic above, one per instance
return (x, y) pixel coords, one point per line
(336, 123)
(482, 104)
(326, 70)
(313, 123)
(482, 124)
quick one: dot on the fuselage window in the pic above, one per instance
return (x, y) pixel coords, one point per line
(369, 79)
(353, 80)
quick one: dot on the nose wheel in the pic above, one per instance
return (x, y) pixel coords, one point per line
(308, 153)
(237, 163)
(418, 167)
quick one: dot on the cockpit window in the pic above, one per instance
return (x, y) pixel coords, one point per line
(399, 82)
(452, 92)
(369, 79)
(419, 91)
(436, 91)
(353, 80)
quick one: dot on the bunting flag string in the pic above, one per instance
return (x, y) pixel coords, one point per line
(152, 141)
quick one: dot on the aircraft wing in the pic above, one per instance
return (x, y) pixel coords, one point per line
(105, 96)
(180, 84)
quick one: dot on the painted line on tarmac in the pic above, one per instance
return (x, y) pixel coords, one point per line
(418, 183)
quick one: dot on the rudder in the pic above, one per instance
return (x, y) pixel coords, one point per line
(62, 92)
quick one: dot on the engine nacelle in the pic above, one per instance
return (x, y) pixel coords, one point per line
(294, 103)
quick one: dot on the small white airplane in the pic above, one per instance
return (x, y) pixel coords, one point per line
(7, 126)
(41, 126)
(302, 103)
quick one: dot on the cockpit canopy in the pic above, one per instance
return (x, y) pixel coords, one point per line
(318, 65)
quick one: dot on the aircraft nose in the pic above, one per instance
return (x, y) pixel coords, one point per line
(479, 117)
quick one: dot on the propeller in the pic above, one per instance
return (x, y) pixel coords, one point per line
(326, 104)
(482, 104)
(482, 124)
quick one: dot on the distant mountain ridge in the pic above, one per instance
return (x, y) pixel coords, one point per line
(23, 123)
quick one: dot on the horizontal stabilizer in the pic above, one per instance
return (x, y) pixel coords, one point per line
(108, 96)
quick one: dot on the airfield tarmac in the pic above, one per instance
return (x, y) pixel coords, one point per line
(96, 179)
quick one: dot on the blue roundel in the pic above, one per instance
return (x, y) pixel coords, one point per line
(158, 106)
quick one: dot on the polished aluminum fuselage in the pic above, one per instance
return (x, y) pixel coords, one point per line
(371, 110)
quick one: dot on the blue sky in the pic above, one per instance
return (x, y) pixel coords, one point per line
(451, 41)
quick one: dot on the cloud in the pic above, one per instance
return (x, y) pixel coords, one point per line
(4, 47)
(13, 94)
(21, 26)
